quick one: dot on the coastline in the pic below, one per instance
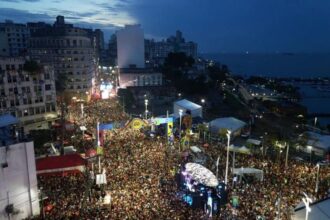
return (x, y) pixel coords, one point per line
(309, 72)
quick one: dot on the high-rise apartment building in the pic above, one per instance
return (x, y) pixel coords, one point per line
(131, 59)
(29, 96)
(69, 50)
(157, 51)
(13, 38)
(112, 50)
(130, 47)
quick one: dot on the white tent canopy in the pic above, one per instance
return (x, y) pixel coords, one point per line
(195, 149)
(230, 123)
(318, 141)
(254, 141)
(248, 170)
(243, 149)
(184, 105)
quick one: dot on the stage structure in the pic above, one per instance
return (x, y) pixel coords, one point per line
(200, 188)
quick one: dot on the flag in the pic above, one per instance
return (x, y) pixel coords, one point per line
(106, 126)
(99, 150)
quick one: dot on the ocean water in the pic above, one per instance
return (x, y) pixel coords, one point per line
(285, 65)
(280, 65)
(316, 101)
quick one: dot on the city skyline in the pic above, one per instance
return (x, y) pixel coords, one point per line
(226, 26)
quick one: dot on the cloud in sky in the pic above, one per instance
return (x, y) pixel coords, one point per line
(100, 12)
(226, 25)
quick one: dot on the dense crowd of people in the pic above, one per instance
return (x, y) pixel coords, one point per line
(281, 189)
(140, 180)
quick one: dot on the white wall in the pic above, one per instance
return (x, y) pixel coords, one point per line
(18, 181)
(140, 79)
(130, 46)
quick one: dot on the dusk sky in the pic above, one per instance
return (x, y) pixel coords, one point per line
(216, 25)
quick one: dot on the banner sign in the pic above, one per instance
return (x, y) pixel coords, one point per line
(99, 150)
(137, 123)
(169, 127)
(101, 179)
(106, 126)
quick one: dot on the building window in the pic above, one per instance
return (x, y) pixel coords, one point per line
(48, 108)
(31, 111)
(42, 109)
(48, 87)
(19, 113)
(12, 103)
(37, 110)
(25, 112)
(48, 98)
(47, 76)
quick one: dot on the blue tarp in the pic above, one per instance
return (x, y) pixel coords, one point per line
(106, 126)
(6, 120)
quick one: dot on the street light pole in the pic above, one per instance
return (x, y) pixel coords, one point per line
(180, 113)
(317, 179)
(82, 119)
(227, 160)
(287, 155)
(146, 107)
(203, 102)
(218, 166)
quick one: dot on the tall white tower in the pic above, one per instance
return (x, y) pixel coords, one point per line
(130, 47)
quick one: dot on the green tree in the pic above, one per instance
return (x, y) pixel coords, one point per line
(32, 67)
(223, 134)
(217, 73)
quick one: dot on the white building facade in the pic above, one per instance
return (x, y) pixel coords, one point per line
(69, 50)
(29, 97)
(139, 77)
(130, 47)
(15, 40)
(18, 182)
